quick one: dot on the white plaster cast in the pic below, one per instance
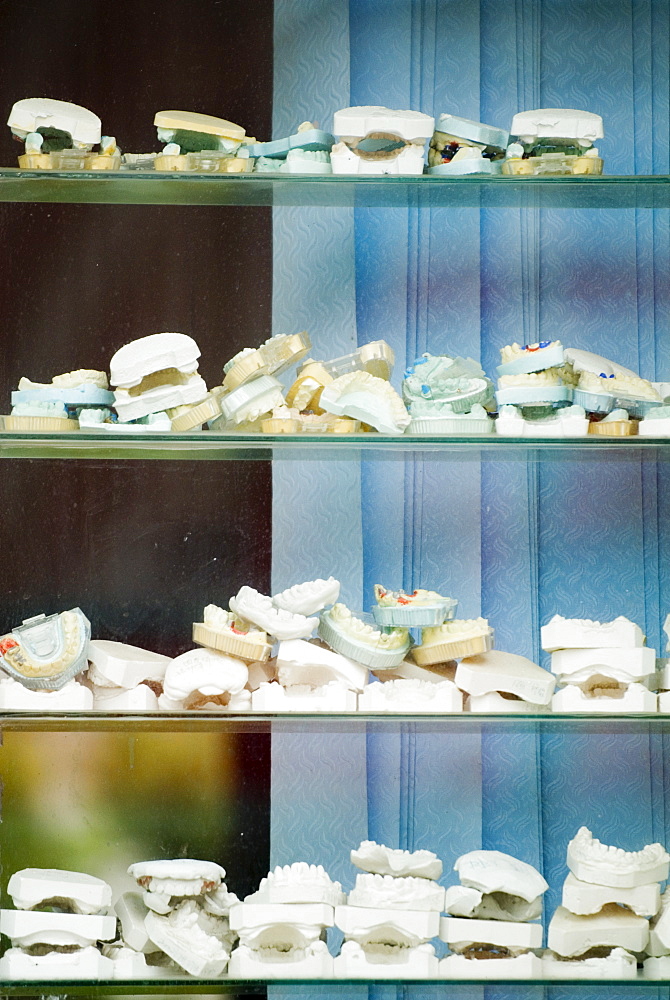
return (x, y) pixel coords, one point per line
(416, 610)
(331, 697)
(663, 702)
(390, 892)
(298, 883)
(460, 637)
(313, 962)
(494, 702)
(357, 638)
(635, 698)
(301, 662)
(308, 598)
(157, 352)
(76, 891)
(505, 672)
(434, 673)
(255, 607)
(366, 397)
(578, 633)
(125, 666)
(32, 113)
(160, 902)
(248, 402)
(138, 699)
(362, 119)
(569, 421)
(219, 901)
(129, 964)
(525, 966)
(381, 860)
(177, 876)
(518, 359)
(626, 665)
(409, 161)
(204, 670)
(561, 123)
(85, 963)
(271, 358)
(494, 871)
(656, 968)
(261, 673)
(25, 928)
(72, 697)
(162, 397)
(614, 927)
(185, 935)
(461, 933)
(403, 928)
(591, 861)
(386, 962)
(619, 964)
(659, 929)
(280, 926)
(464, 901)
(131, 910)
(414, 696)
(583, 898)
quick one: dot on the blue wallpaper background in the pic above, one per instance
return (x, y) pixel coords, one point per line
(515, 541)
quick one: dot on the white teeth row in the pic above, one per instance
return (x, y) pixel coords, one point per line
(589, 847)
(300, 872)
(550, 376)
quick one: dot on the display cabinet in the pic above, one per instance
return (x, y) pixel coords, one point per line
(142, 534)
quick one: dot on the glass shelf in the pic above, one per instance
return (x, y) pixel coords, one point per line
(335, 722)
(218, 445)
(131, 188)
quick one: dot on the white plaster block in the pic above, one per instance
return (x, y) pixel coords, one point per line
(414, 696)
(28, 927)
(570, 935)
(495, 871)
(31, 887)
(87, 963)
(591, 861)
(366, 925)
(131, 910)
(619, 964)
(126, 666)
(129, 365)
(460, 933)
(249, 916)
(301, 662)
(72, 697)
(355, 962)
(387, 892)
(505, 672)
(494, 702)
(331, 697)
(382, 860)
(138, 699)
(656, 968)
(314, 962)
(583, 898)
(635, 698)
(624, 664)
(582, 633)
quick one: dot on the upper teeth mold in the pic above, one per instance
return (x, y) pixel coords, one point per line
(368, 398)
(308, 598)
(405, 893)
(255, 607)
(420, 608)
(381, 860)
(74, 892)
(519, 360)
(460, 637)
(460, 382)
(156, 352)
(271, 358)
(298, 883)
(177, 876)
(355, 638)
(44, 653)
(582, 633)
(591, 861)
(221, 630)
(494, 871)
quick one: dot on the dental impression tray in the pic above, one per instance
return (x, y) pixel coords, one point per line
(47, 651)
(271, 358)
(367, 398)
(357, 638)
(421, 607)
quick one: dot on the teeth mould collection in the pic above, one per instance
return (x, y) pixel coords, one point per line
(182, 920)
(410, 655)
(544, 391)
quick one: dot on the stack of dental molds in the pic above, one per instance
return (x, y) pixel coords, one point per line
(460, 146)
(186, 918)
(607, 897)
(488, 924)
(201, 143)
(282, 926)
(446, 395)
(391, 915)
(306, 151)
(533, 379)
(59, 135)
(554, 141)
(58, 405)
(504, 682)
(60, 918)
(378, 140)
(156, 374)
(600, 667)
(124, 678)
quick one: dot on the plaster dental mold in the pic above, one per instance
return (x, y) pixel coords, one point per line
(191, 132)
(615, 424)
(367, 398)
(193, 415)
(129, 964)
(153, 423)
(520, 360)
(376, 358)
(219, 901)
(222, 631)
(139, 699)
(358, 122)
(524, 966)
(298, 883)
(405, 695)
(584, 898)
(72, 697)
(252, 606)
(280, 926)
(389, 892)
(466, 160)
(505, 672)
(461, 146)
(591, 861)
(154, 353)
(178, 876)
(431, 418)
(83, 963)
(308, 598)
(496, 872)
(282, 421)
(332, 697)
(462, 901)
(655, 968)
(71, 892)
(582, 633)
(271, 358)
(305, 392)
(379, 140)
(625, 665)
(118, 664)
(381, 860)
(656, 423)
(45, 652)
(554, 140)
(625, 389)
(604, 695)
(568, 421)
(131, 911)
(356, 638)
(385, 962)
(586, 361)
(462, 934)
(545, 387)
(186, 936)
(659, 929)
(249, 402)
(420, 608)
(204, 675)
(384, 925)
(80, 388)
(26, 928)
(307, 663)
(460, 382)
(191, 389)
(261, 673)
(435, 673)
(20, 420)
(570, 935)
(619, 964)
(313, 962)
(60, 124)
(460, 637)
